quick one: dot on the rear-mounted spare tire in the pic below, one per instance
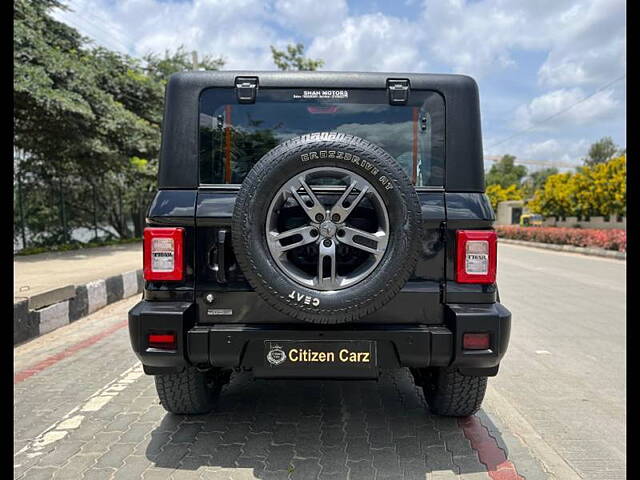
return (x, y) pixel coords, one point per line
(326, 227)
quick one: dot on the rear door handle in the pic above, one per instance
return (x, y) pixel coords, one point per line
(221, 275)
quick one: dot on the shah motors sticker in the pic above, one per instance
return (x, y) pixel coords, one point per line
(312, 94)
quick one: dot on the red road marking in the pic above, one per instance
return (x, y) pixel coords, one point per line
(53, 359)
(498, 466)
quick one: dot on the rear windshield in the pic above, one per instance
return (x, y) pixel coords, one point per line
(234, 136)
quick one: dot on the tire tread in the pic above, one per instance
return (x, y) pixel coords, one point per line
(185, 393)
(450, 393)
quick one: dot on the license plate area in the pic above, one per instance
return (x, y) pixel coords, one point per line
(320, 354)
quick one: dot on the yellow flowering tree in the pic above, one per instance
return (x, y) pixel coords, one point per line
(592, 191)
(608, 187)
(556, 199)
(497, 194)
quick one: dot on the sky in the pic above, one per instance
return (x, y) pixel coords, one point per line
(551, 73)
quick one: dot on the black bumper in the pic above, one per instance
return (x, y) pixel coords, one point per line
(243, 346)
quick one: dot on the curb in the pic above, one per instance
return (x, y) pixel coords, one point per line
(596, 252)
(90, 297)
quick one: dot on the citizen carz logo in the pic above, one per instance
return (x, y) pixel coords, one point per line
(276, 355)
(304, 299)
(348, 157)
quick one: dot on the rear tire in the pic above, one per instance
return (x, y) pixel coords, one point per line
(189, 392)
(450, 393)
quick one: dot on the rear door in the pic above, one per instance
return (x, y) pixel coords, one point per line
(233, 136)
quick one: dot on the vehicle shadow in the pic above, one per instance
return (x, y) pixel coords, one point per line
(287, 429)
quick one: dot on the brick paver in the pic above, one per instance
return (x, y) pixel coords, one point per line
(267, 429)
(273, 429)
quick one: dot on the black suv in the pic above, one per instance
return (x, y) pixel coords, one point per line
(320, 225)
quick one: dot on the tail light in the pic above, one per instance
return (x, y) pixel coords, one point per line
(476, 341)
(163, 254)
(163, 341)
(476, 259)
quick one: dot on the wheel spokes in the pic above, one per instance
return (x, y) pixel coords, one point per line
(374, 243)
(306, 234)
(343, 211)
(327, 278)
(312, 210)
(327, 228)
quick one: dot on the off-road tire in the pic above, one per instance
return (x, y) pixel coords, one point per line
(189, 392)
(262, 184)
(452, 394)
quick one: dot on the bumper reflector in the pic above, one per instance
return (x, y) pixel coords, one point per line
(476, 341)
(165, 341)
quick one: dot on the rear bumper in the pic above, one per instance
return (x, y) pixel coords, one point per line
(243, 346)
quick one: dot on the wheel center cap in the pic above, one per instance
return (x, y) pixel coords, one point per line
(327, 229)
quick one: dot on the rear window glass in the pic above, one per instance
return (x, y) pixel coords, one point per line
(234, 136)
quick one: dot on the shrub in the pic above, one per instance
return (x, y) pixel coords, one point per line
(614, 239)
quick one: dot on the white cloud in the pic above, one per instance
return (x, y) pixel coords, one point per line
(372, 42)
(584, 40)
(589, 47)
(596, 65)
(471, 38)
(595, 109)
(236, 29)
(578, 46)
(311, 17)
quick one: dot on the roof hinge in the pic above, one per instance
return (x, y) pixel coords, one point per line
(246, 88)
(398, 90)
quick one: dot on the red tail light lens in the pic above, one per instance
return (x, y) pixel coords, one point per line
(164, 341)
(476, 256)
(163, 254)
(476, 341)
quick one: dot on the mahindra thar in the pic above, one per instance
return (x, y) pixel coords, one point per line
(320, 225)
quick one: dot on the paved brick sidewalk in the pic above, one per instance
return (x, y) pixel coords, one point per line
(268, 430)
(34, 274)
(93, 414)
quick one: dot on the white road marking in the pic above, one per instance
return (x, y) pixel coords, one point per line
(71, 423)
(543, 352)
(95, 402)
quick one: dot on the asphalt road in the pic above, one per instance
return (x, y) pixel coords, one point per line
(84, 409)
(565, 371)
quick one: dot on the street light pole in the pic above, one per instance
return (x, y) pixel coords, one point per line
(21, 210)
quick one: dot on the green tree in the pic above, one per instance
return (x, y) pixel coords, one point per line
(294, 59)
(161, 67)
(600, 151)
(70, 115)
(87, 123)
(536, 180)
(505, 172)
